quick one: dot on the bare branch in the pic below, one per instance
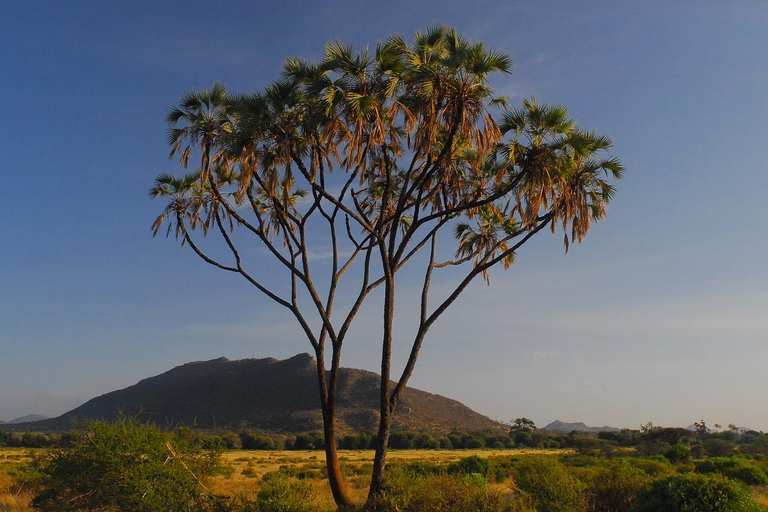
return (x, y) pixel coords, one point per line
(427, 323)
(242, 272)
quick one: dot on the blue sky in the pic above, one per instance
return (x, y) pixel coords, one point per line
(660, 315)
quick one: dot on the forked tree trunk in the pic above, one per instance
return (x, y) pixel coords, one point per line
(338, 486)
(328, 406)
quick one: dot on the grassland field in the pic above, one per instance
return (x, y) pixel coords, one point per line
(242, 470)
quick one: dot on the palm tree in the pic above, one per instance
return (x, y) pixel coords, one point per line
(558, 168)
(201, 119)
(411, 131)
(187, 201)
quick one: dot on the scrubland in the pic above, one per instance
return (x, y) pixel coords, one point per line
(483, 480)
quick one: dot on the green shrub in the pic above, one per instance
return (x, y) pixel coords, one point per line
(501, 468)
(548, 485)
(311, 441)
(615, 487)
(425, 441)
(651, 467)
(125, 466)
(422, 468)
(400, 440)
(470, 465)
(457, 493)
(592, 446)
(696, 493)
(249, 440)
(580, 461)
(678, 454)
(440, 493)
(734, 467)
(719, 447)
(281, 494)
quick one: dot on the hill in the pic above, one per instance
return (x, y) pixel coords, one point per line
(561, 426)
(27, 419)
(268, 395)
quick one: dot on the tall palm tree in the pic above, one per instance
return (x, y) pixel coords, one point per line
(411, 130)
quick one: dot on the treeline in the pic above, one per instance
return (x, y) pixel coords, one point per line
(672, 443)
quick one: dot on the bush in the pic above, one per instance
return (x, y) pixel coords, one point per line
(425, 441)
(281, 494)
(653, 468)
(422, 468)
(307, 442)
(678, 454)
(473, 442)
(696, 493)
(592, 446)
(615, 487)
(401, 440)
(35, 440)
(249, 440)
(501, 468)
(546, 483)
(470, 465)
(719, 447)
(124, 466)
(734, 467)
(361, 441)
(440, 493)
(580, 461)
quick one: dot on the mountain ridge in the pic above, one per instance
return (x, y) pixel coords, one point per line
(269, 395)
(26, 419)
(562, 426)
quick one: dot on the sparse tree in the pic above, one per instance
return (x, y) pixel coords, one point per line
(523, 425)
(674, 435)
(701, 429)
(384, 153)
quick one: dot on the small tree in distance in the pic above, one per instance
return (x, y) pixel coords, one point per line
(371, 158)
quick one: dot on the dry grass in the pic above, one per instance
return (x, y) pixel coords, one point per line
(10, 457)
(246, 468)
(761, 495)
(262, 462)
(13, 499)
(257, 463)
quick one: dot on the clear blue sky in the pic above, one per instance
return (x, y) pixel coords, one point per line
(660, 315)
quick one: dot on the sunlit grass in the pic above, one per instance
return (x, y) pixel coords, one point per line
(242, 471)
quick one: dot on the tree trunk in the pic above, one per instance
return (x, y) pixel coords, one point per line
(380, 458)
(338, 486)
(328, 406)
(385, 406)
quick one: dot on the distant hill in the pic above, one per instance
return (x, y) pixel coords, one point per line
(267, 395)
(561, 426)
(27, 419)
